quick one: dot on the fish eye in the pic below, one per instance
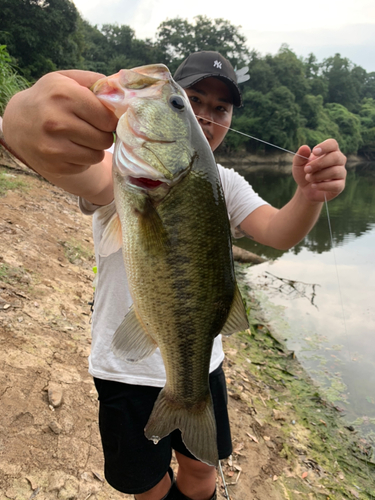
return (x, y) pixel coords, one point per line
(177, 102)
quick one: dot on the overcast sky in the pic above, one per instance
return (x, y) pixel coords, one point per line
(323, 27)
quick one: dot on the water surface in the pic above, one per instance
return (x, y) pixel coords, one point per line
(320, 295)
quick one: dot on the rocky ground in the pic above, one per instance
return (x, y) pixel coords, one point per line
(49, 440)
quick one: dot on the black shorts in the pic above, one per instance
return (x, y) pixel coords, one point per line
(133, 463)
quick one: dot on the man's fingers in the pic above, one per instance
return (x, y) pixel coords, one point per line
(326, 147)
(69, 94)
(325, 161)
(84, 78)
(302, 156)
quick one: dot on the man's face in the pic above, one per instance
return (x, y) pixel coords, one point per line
(211, 100)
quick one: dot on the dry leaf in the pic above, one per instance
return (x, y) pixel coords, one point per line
(275, 478)
(252, 437)
(304, 475)
(238, 448)
(266, 438)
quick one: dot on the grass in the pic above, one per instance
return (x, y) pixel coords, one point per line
(75, 252)
(11, 182)
(9, 274)
(345, 460)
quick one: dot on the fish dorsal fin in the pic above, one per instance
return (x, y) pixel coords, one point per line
(112, 236)
(131, 342)
(237, 318)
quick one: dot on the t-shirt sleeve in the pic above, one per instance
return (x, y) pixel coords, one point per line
(85, 206)
(240, 197)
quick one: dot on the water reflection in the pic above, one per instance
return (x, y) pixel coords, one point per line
(352, 213)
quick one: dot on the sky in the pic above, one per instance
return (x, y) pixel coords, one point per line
(323, 27)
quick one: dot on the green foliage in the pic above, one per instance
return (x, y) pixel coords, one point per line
(10, 81)
(288, 100)
(40, 35)
(349, 127)
(367, 117)
(177, 38)
(273, 117)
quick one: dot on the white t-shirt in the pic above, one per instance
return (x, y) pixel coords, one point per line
(112, 296)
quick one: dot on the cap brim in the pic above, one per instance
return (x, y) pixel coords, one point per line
(189, 81)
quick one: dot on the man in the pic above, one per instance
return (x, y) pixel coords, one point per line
(62, 131)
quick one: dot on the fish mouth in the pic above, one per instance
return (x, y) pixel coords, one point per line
(145, 182)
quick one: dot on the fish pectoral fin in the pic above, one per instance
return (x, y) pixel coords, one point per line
(237, 318)
(154, 236)
(112, 236)
(131, 342)
(197, 426)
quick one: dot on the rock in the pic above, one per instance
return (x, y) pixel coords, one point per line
(278, 415)
(55, 427)
(55, 394)
(56, 481)
(10, 493)
(70, 489)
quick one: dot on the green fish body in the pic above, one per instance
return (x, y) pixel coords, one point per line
(176, 243)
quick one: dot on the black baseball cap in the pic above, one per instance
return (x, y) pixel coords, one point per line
(203, 64)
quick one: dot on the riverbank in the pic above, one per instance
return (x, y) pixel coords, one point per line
(277, 162)
(326, 456)
(288, 442)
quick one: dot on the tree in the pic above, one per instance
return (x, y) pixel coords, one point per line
(177, 38)
(10, 81)
(40, 35)
(289, 71)
(263, 78)
(316, 84)
(349, 127)
(367, 116)
(273, 117)
(344, 82)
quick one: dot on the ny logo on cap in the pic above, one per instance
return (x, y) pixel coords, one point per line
(217, 64)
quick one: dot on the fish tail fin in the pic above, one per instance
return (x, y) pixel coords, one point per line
(197, 426)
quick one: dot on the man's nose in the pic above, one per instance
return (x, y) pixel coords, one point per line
(204, 114)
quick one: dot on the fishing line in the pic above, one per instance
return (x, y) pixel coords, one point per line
(326, 207)
(337, 275)
(330, 234)
(252, 137)
(224, 483)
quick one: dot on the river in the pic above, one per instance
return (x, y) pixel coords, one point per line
(320, 295)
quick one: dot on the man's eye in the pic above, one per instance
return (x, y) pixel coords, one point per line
(194, 98)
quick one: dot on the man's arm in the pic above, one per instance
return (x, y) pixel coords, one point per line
(319, 175)
(61, 130)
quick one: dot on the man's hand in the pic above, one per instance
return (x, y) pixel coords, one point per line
(321, 174)
(58, 126)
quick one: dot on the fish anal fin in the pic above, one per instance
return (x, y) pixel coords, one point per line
(131, 342)
(198, 427)
(237, 318)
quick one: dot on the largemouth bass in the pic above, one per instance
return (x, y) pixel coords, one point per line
(172, 223)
